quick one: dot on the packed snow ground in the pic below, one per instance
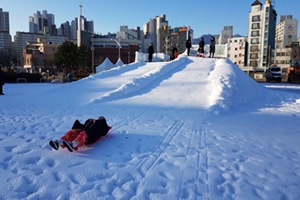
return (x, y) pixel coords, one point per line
(192, 128)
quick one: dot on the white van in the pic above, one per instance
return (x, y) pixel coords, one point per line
(273, 73)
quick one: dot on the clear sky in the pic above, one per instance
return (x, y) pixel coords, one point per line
(203, 16)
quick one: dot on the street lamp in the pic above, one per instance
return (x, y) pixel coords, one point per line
(93, 49)
(119, 45)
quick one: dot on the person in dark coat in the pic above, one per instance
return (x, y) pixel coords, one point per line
(150, 52)
(212, 47)
(80, 134)
(201, 45)
(174, 52)
(1, 82)
(188, 45)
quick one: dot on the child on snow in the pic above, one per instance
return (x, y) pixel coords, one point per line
(80, 134)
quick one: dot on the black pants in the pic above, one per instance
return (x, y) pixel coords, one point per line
(188, 51)
(1, 89)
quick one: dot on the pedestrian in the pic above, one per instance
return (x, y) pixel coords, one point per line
(80, 134)
(212, 47)
(150, 52)
(188, 45)
(174, 52)
(201, 45)
(1, 82)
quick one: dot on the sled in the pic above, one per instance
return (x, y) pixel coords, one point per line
(200, 55)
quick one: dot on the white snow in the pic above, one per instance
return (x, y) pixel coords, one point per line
(192, 128)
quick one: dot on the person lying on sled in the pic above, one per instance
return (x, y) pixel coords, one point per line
(81, 134)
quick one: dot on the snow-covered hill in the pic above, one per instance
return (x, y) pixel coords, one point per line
(192, 128)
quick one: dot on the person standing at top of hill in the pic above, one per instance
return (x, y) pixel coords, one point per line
(188, 45)
(150, 52)
(201, 45)
(212, 47)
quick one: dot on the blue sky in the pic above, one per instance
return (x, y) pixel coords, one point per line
(203, 16)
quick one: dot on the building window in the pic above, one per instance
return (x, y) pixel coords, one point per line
(255, 26)
(254, 63)
(254, 33)
(253, 55)
(256, 18)
(254, 48)
(254, 41)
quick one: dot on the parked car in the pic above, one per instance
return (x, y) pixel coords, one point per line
(273, 73)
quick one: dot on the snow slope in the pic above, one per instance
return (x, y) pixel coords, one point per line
(192, 128)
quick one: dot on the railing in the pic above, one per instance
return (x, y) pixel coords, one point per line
(23, 80)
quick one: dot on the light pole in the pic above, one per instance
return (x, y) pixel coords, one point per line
(93, 49)
(119, 45)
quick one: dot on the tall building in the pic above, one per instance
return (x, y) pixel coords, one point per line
(42, 23)
(85, 29)
(4, 20)
(80, 26)
(286, 35)
(5, 38)
(261, 34)
(226, 33)
(286, 31)
(74, 27)
(152, 31)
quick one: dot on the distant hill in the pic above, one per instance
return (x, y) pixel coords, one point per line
(206, 38)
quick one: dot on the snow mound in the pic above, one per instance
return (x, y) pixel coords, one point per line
(227, 84)
(230, 85)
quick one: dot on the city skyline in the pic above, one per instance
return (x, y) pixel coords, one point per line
(203, 18)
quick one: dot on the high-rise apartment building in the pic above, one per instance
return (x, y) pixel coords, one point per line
(226, 33)
(4, 20)
(42, 23)
(286, 35)
(152, 31)
(5, 38)
(286, 31)
(261, 35)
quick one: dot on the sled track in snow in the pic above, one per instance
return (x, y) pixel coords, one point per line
(125, 122)
(147, 163)
(196, 156)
